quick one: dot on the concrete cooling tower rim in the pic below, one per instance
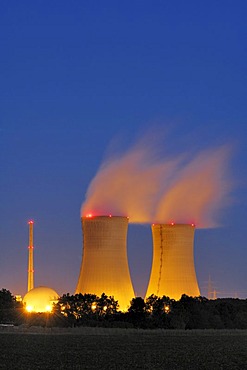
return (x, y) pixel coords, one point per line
(102, 217)
(173, 224)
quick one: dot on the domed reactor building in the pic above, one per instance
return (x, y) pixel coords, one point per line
(173, 272)
(40, 299)
(104, 267)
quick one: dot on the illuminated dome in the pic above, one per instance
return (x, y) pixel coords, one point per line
(40, 299)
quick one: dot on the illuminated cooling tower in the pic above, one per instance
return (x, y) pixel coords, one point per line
(104, 266)
(173, 271)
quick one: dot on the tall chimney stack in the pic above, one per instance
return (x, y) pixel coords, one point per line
(30, 279)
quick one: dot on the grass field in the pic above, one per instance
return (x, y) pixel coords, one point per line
(101, 348)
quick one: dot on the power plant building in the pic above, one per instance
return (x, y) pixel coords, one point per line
(40, 299)
(104, 267)
(173, 272)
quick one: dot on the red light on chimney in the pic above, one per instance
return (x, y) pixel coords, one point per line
(30, 222)
(89, 215)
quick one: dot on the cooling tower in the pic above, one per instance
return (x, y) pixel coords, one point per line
(104, 267)
(173, 271)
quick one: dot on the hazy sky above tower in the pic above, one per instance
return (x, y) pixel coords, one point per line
(79, 77)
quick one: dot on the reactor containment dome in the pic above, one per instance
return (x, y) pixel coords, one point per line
(40, 299)
(104, 267)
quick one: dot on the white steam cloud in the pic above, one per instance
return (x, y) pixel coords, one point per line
(152, 189)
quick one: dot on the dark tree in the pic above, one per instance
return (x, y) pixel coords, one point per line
(158, 310)
(137, 312)
(8, 307)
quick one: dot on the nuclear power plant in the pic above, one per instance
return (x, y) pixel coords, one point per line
(104, 267)
(173, 272)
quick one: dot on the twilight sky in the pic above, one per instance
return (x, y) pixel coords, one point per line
(79, 79)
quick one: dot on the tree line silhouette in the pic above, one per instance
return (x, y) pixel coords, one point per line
(152, 313)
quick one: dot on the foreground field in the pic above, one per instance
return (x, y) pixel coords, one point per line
(99, 348)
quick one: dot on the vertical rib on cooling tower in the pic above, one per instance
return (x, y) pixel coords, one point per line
(104, 267)
(173, 271)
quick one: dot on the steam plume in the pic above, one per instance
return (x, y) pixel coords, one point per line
(148, 188)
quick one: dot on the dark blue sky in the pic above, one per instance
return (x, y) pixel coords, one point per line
(76, 75)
